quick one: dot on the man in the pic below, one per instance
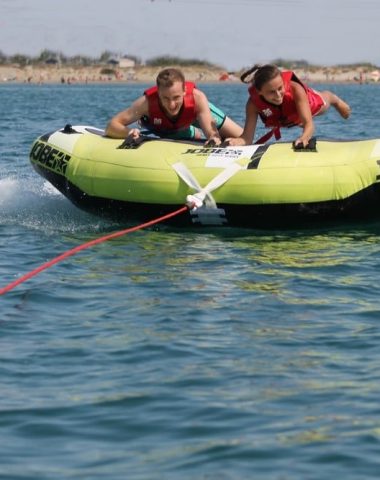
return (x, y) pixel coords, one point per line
(174, 108)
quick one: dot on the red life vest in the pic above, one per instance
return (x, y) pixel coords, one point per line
(157, 120)
(284, 115)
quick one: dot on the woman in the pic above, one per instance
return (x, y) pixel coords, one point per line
(280, 99)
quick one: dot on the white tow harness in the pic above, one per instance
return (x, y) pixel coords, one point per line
(205, 210)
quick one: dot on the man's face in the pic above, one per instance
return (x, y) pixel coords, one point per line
(171, 98)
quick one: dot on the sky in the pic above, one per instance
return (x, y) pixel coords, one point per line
(230, 33)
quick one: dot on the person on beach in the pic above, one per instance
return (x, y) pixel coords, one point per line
(174, 108)
(280, 99)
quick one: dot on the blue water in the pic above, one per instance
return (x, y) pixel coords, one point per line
(177, 354)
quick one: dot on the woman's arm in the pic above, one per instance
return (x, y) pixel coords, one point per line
(304, 112)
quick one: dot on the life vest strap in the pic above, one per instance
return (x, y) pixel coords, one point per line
(275, 131)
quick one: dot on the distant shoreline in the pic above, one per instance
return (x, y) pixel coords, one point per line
(54, 74)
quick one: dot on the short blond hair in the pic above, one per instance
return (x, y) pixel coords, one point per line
(168, 76)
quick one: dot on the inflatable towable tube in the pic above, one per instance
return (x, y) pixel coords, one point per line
(249, 186)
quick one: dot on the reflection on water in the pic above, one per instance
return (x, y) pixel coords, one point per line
(180, 353)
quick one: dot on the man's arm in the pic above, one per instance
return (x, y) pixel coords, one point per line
(246, 138)
(204, 117)
(118, 125)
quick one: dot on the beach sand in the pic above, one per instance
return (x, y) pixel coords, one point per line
(142, 74)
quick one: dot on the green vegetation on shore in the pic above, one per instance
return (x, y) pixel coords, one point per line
(303, 64)
(53, 57)
(166, 60)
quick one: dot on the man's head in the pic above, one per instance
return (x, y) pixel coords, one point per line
(168, 76)
(171, 90)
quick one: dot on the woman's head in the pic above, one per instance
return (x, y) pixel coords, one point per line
(267, 81)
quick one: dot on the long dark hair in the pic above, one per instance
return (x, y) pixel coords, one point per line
(261, 75)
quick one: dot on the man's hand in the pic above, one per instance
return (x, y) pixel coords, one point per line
(134, 133)
(213, 142)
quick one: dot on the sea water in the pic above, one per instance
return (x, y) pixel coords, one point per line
(170, 354)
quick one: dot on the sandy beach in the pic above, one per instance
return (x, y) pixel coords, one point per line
(99, 74)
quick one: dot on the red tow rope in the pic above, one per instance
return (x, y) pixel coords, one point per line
(79, 248)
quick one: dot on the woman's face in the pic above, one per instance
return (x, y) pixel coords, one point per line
(273, 91)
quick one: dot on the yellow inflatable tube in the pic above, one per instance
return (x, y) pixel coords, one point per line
(269, 184)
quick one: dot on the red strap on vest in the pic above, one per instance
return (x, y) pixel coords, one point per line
(275, 131)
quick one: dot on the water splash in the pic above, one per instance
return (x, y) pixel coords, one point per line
(38, 205)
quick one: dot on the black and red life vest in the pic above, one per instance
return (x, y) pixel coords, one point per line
(157, 119)
(284, 115)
